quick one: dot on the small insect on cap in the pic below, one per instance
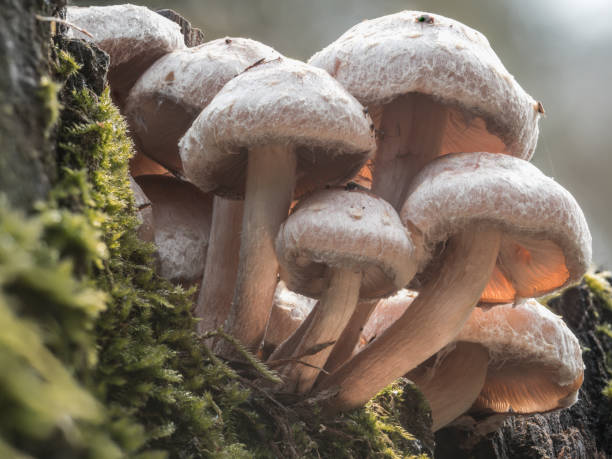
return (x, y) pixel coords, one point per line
(174, 90)
(412, 52)
(546, 243)
(346, 229)
(133, 36)
(182, 217)
(286, 103)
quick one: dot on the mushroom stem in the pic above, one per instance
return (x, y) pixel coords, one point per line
(337, 304)
(432, 321)
(454, 381)
(411, 131)
(344, 347)
(269, 188)
(221, 264)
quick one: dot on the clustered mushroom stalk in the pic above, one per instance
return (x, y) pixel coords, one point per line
(485, 227)
(269, 188)
(485, 206)
(266, 117)
(222, 260)
(161, 106)
(468, 264)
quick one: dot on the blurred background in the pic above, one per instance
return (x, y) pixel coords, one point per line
(560, 51)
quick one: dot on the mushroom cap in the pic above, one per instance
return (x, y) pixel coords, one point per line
(351, 229)
(288, 312)
(546, 243)
(535, 360)
(173, 91)
(280, 102)
(415, 52)
(133, 36)
(182, 217)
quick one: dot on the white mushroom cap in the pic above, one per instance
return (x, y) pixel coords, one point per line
(182, 217)
(535, 360)
(415, 52)
(281, 102)
(546, 243)
(133, 36)
(173, 91)
(345, 229)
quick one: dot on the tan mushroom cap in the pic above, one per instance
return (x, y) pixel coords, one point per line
(415, 52)
(546, 243)
(182, 217)
(173, 91)
(535, 361)
(133, 36)
(280, 102)
(345, 229)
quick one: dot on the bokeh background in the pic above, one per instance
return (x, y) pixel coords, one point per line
(560, 51)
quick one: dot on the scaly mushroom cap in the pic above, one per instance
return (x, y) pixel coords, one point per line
(182, 217)
(289, 311)
(415, 52)
(133, 36)
(281, 102)
(546, 242)
(346, 229)
(535, 360)
(173, 91)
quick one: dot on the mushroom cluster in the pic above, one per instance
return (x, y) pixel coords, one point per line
(396, 157)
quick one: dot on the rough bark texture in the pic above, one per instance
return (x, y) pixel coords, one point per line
(582, 432)
(27, 166)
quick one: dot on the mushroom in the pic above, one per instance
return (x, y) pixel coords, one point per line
(277, 123)
(288, 312)
(508, 358)
(339, 245)
(482, 207)
(162, 105)
(433, 86)
(133, 36)
(181, 225)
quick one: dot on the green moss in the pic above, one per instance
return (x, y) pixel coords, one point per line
(65, 65)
